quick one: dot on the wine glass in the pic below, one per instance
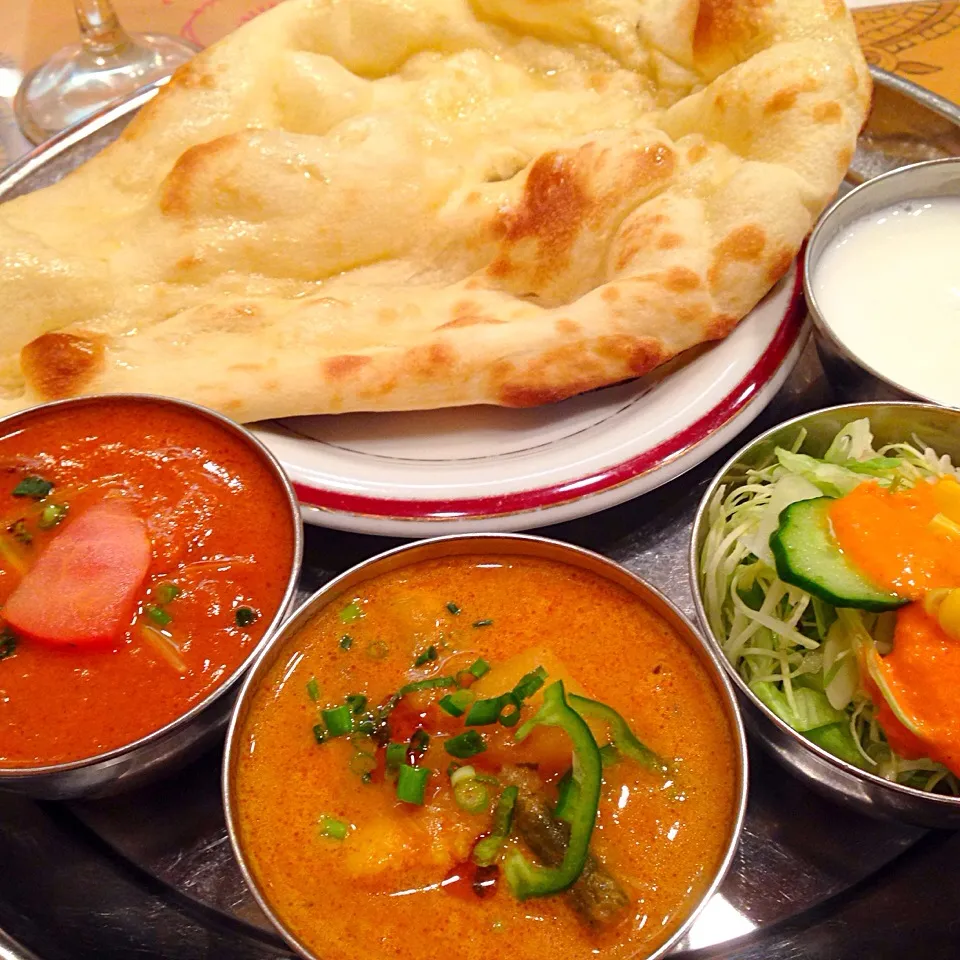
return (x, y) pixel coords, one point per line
(107, 63)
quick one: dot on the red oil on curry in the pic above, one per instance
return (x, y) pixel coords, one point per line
(401, 883)
(891, 537)
(220, 537)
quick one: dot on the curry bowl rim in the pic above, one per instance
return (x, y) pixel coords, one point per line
(700, 524)
(25, 774)
(490, 543)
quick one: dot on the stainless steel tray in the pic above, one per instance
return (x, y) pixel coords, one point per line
(150, 875)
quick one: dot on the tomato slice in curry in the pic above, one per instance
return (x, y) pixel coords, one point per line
(143, 551)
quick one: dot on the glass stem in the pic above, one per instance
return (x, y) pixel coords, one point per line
(100, 29)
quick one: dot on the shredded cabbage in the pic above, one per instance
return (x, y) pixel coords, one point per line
(796, 653)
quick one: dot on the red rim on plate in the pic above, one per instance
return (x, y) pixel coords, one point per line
(536, 498)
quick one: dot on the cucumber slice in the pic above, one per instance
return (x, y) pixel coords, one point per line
(807, 556)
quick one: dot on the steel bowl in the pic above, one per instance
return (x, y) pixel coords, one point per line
(853, 378)
(172, 745)
(487, 544)
(939, 427)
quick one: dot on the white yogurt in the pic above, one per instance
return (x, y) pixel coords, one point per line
(889, 288)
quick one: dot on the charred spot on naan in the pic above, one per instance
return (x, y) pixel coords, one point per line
(727, 31)
(344, 365)
(186, 189)
(576, 368)
(58, 365)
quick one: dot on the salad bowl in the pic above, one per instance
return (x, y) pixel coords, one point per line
(925, 426)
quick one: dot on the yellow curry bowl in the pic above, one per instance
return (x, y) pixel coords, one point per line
(398, 807)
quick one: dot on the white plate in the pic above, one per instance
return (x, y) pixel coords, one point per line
(490, 468)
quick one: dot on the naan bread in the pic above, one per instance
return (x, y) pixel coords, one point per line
(386, 205)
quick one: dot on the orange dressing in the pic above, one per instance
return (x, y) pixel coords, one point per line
(888, 535)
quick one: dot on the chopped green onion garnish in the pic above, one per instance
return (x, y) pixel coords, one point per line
(366, 724)
(487, 851)
(356, 702)
(509, 710)
(467, 744)
(483, 623)
(471, 795)
(362, 763)
(412, 783)
(346, 642)
(245, 616)
(51, 515)
(8, 643)
(313, 689)
(377, 650)
(396, 754)
(453, 608)
(427, 684)
(479, 667)
(20, 532)
(165, 591)
(351, 612)
(333, 828)
(530, 683)
(484, 712)
(319, 733)
(426, 657)
(456, 703)
(34, 487)
(339, 720)
(460, 773)
(158, 615)
(419, 741)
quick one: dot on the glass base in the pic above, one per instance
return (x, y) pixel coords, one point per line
(77, 81)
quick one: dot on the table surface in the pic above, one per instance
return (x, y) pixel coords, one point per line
(920, 41)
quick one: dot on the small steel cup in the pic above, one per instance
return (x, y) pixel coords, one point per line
(853, 378)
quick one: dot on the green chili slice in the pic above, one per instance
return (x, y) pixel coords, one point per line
(467, 744)
(527, 879)
(412, 783)
(622, 736)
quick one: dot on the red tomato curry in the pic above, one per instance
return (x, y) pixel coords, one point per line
(485, 756)
(143, 551)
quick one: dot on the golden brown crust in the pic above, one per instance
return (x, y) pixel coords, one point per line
(345, 207)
